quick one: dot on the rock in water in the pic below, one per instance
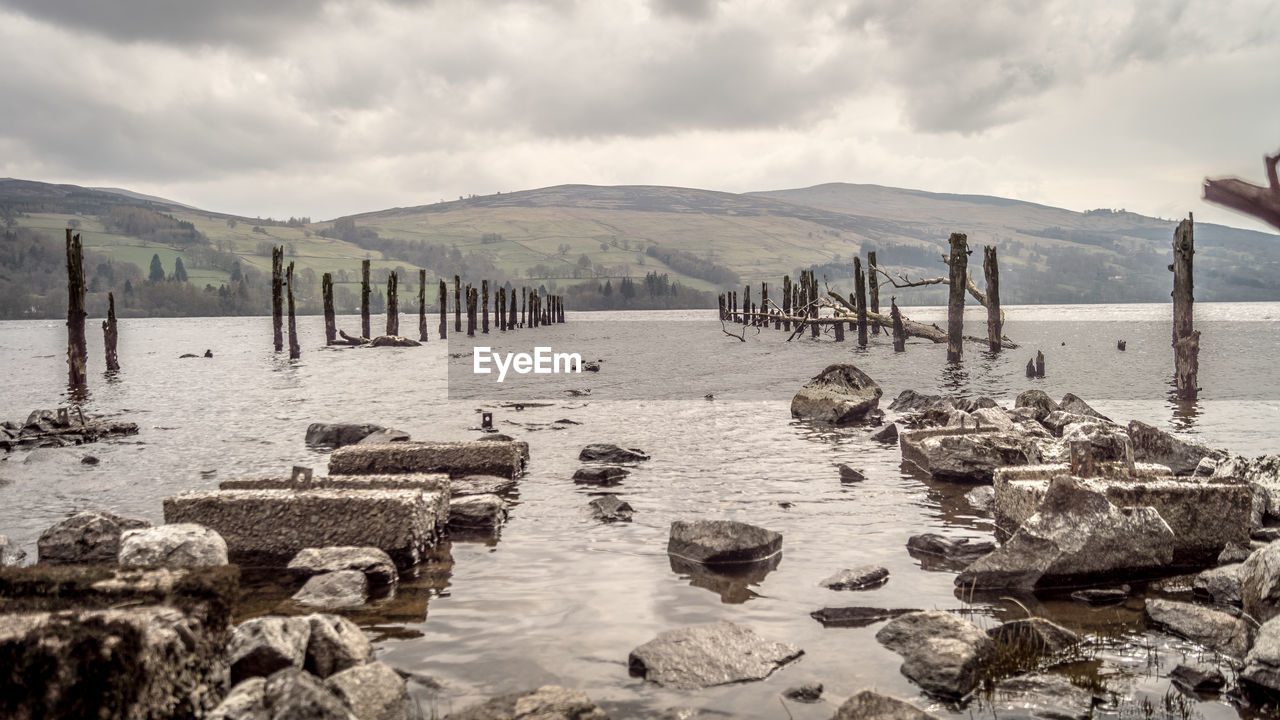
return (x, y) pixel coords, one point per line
(871, 705)
(1211, 628)
(888, 434)
(177, 545)
(1077, 535)
(1042, 695)
(1157, 446)
(373, 691)
(860, 578)
(810, 692)
(1198, 680)
(336, 435)
(264, 645)
(1262, 664)
(714, 542)
(955, 553)
(606, 476)
(1260, 583)
(376, 565)
(838, 395)
(393, 341)
(477, 512)
(549, 702)
(1073, 404)
(704, 655)
(340, 589)
(608, 453)
(942, 653)
(1220, 585)
(85, 538)
(856, 616)
(850, 475)
(611, 509)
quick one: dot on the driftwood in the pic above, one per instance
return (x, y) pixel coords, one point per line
(348, 340)
(1256, 200)
(903, 281)
(846, 309)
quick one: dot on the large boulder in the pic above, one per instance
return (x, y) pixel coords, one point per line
(331, 590)
(1076, 536)
(373, 691)
(334, 644)
(376, 565)
(179, 545)
(336, 435)
(719, 542)
(294, 694)
(942, 653)
(1262, 663)
(261, 646)
(246, 701)
(393, 341)
(84, 538)
(1214, 629)
(713, 654)
(839, 394)
(1074, 405)
(1262, 473)
(912, 401)
(871, 705)
(549, 702)
(967, 454)
(1154, 445)
(1260, 583)
(1039, 402)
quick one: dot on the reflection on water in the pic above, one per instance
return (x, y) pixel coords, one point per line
(732, 582)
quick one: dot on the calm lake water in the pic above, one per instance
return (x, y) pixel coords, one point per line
(561, 598)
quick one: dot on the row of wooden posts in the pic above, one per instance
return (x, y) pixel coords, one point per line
(510, 311)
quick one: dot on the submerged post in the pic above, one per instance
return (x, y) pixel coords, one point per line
(1186, 339)
(511, 310)
(958, 261)
(471, 311)
(295, 350)
(873, 289)
(500, 308)
(277, 301)
(422, 305)
(813, 303)
(484, 305)
(746, 306)
(393, 304)
(444, 310)
(77, 350)
(786, 303)
(899, 333)
(364, 298)
(109, 335)
(991, 269)
(860, 288)
(457, 304)
(330, 326)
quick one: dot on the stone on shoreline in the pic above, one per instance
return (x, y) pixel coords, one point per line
(85, 538)
(505, 459)
(1262, 663)
(477, 512)
(1153, 445)
(334, 644)
(954, 553)
(1260, 584)
(333, 590)
(10, 554)
(706, 655)
(838, 395)
(1221, 585)
(872, 705)
(1214, 629)
(942, 653)
(264, 645)
(373, 691)
(887, 434)
(376, 565)
(549, 702)
(967, 454)
(179, 545)
(609, 453)
(716, 542)
(336, 435)
(393, 341)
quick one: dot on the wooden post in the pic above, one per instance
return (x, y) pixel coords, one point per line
(364, 299)
(991, 269)
(422, 305)
(786, 302)
(511, 310)
(801, 304)
(1039, 364)
(1186, 340)
(860, 287)
(873, 289)
(720, 299)
(959, 264)
(524, 307)
(393, 304)
(484, 304)
(500, 308)
(110, 335)
(813, 303)
(839, 326)
(457, 304)
(471, 310)
(277, 301)
(295, 350)
(444, 310)
(764, 303)
(746, 306)
(330, 325)
(899, 334)
(77, 350)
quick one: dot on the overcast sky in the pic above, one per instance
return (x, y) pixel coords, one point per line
(292, 107)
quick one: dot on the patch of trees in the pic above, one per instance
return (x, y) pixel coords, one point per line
(443, 261)
(654, 292)
(152, 226)
(686, 263)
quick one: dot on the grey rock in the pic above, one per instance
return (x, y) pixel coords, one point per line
(1151, 444)
(887, 434)
(294, 694)
(609, 453)
(89, 460)
(849, 475)
(334, 644)
(955, 552)
(339, 589)
(372, 691)
(85, 538)
(1221, 585)
(1074, 405)
(713, 542)
(393, 341)
(179, 545)
(912, 401)
(477, 512)
(810, 692)
(1041, 695)
(1233, 554)
(1035, 634)
(1213, 629)
(1104, 443)
(840, 394)
(261, 646)
(246, 701)
(871, 705)
(968, 454)
(1038, 401)
(862, 577)
(1262, 664)
(376, 565)
(973, 405)
(981, 498)
(992, 417)
(605, 476)
(384, 436)
(942, 653)
(1198, 680)
(1056, 422)
(549, 702)
(336, 435)
(10, 554)
(1101, 596)
(1262, 473)
(705, 655)
(1260, 583)
(1075, 536)
(856, 616)
(481, 485)
(610, 508)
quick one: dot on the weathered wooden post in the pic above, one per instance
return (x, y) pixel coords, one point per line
(801, 304)
(330, 325)
(295, 350)
(471, 311)
(899, 334)
(786, 302)
(839, 326)
(500, 308)
(484, 303)
(991, 269)
(873, 289)
(764, 304)
(860, 287)
(958, 261)
(444, 310)
(813, 303)
(746, 306)
(1039, 364)
(393, 304)
(720, 300)
(524, 307)
(512, 308)
(277, 301)
(457, 304)
(77, 350)
(110, 335)
(422, 305)
(1186, 339)
(364, 299)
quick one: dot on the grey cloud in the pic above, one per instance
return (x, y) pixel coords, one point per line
(687, 9)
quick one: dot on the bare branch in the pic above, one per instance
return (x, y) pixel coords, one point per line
(1256, 200)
